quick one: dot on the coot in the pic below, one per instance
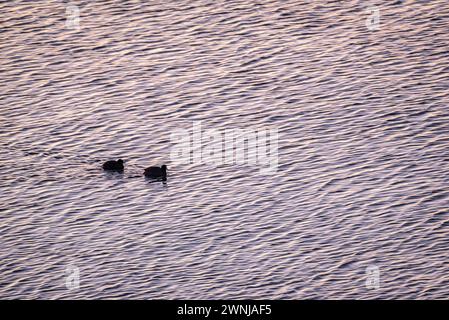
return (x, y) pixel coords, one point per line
(114, 165)
(156, 172)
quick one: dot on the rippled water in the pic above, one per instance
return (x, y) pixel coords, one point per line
(363, 126)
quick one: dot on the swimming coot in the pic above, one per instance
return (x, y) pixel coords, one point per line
(156, 172)
(114, 165)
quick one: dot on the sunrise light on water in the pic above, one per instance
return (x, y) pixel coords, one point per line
(306, 146)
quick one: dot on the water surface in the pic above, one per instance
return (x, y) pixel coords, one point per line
(363, 125)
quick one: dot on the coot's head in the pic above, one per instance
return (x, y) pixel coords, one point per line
(164, 169)
(120, 161)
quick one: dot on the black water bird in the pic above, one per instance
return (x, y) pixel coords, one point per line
(156, 172)
(113, 165)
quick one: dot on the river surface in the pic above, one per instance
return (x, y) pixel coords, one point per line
(358, 207)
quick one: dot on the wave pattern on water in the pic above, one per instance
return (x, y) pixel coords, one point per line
(363, 177)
